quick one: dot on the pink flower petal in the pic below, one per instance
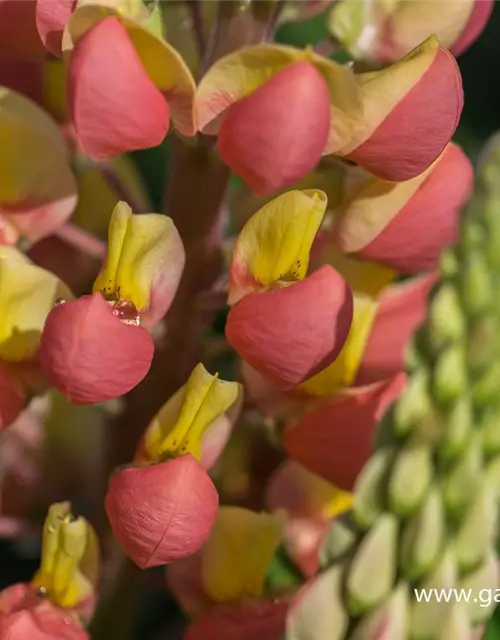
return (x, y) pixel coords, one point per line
(264, 620)
(25, 616)
(414, 239)
(89, 354)
(184, 580)
(419, 127)
(335, 441)
(277, 134)
(163, 512)
(113, 104)
(402, 310)
(292, 333)
(51, 18)
(477, 21)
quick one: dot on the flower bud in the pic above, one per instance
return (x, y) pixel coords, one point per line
(162, 512)
(89, 354)
(114, 105)
(254, 139)
(317, 610)
(313, 315)
(373, 570)
(389, 222)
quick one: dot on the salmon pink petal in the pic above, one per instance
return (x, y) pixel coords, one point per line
(412, 110)
(272, 401)
(18, 34)
(184, 580)
(254, 139)
(113, 104)
(481, 12)
(335, 440)
(25, 616)
(264, 620)
(406, 244)
(289, 334)
(12, 399)
(163, 512)
(51, 18)
(89, 354)
(402, 310)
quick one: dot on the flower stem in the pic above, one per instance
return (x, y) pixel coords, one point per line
(113, 619)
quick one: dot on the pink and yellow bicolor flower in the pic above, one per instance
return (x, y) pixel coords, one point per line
(405, 225)
(310, 502)
(285, 325)
(125, 82)
(37, 188)
(381, 32)
(394, 122)
(27, 294)
(98, 347)
(233, 564)
(163, 507)
(61, 597)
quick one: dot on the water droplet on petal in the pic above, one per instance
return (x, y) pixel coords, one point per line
(127, 312)
(59, 301)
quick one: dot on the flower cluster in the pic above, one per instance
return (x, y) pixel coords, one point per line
(346, 201)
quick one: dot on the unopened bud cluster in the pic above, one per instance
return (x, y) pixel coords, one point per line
(426, 504)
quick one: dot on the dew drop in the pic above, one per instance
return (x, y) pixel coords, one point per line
(59, 301)
(127, 312)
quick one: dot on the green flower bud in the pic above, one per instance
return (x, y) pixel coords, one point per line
(423, 536)
(410, 479)
(372, 572)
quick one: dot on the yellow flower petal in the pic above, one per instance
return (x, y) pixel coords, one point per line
(67, 543)
(27, 294)
(180, 424)
(363, 277)
(341, 373)
(133, 9)
(275, 242)
(145, 260)
(237, 554)
(165, 67)
(34, 167)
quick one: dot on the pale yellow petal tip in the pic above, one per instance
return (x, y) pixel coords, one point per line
(341, 373)
(67, 543)
(237, 555)
(179, 426)
(275, 243)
